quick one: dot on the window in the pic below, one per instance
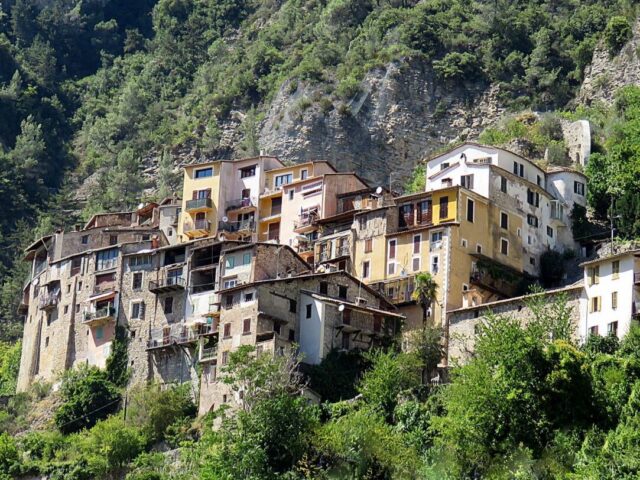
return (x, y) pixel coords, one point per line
(596, 304)
(615, 269)
(391, 268)
(79, 286)
(136, 283)
(66, 309)
(478, 248)
(368, 245)
(85, 239)
(532, 260)
(76, 263)
(365, 269)
(246, 259)
(549, 231)
(539, 180)
(345, 341)
(228, 301)
(342, 291)
(533, 198)
(106, 259)
(248, 171)
(503, 184)
(522, 170)
(113, 239)
(248, 297)
(246, 326)
(291, 193)
(308, 308)
(614, 300)
(444, 207)
(99, 333)
(230, 283)
(324, 288)
(612, 328)
(392, 249)
(77, 308)
(230, 262)
(415, 264)
(281, 180)
(446, 182)
(137, 310)
(578, 188)
(504, 220)
(504, 246)
(225, 360)
(467, 181)
(417, 240)
(226, 331)
(594, 275)
(444, 166)
(139, 260)
(292, 335)
(593, 330)
(293, 306)
(168, 305)
(532, 220)
(204, 172)
(515, 168)
(470, 210)
(436, 237)
(435, 264)
(464, 243)
(304, 173)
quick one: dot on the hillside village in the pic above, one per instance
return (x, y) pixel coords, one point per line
(303, 257)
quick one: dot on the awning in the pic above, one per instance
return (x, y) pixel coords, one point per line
(103, 296)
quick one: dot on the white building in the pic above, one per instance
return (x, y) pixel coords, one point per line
(543, 199)
(612, 286)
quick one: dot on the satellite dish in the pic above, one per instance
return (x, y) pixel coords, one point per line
(379, 190)
(341, 307)
(225, 219)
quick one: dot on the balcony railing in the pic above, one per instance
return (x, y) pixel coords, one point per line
(49, 300)
(167, 284)
(179, 334)
(397, 291)
(104, 287)
(197, 225)
(306, 221)
(243, 225)
(338, 252)
(104, 313)
(240, 203)
(209, 354)
(199, 204)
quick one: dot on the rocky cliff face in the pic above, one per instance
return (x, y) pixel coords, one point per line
(401, 114)
(607, 73)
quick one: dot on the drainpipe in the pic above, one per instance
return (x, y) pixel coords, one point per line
(444, 316)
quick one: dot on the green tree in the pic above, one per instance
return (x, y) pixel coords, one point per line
(617, 33)
(87, 396)
(424, 292)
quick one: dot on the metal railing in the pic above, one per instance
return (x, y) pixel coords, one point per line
(173, 281)
(100, 313)
(209, 353)
(197, 225)
(338, 252)
(199, 203)
(243, 225)
(306, 221)
(239, 203)
(48, 300)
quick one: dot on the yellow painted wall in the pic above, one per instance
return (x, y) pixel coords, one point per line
(189, 184)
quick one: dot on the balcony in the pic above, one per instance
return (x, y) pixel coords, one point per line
(166, 285)
(397, 291)
(199, 205)
(48, 301)
(306, 223)
(338, 253)
(178, 334)
(197, 229)
(99, 316)
(237, 227)
(241, 204)
(209, 354)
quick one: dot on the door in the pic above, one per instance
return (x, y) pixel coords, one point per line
(274, 231)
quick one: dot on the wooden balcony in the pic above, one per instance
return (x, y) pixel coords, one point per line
(197, 228)
(199, 205)
(166, 285)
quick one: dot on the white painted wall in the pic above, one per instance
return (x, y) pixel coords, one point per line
(311, 329)
(604, 288)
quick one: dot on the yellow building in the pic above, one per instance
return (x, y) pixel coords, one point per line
(452, 233)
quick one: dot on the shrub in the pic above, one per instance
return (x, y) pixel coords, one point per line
(9, 457)
(153, 410)
(617, 33)
(88, 396)
(551, 268)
